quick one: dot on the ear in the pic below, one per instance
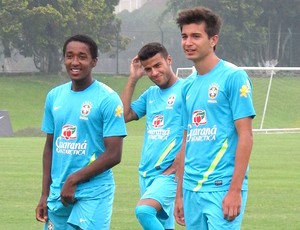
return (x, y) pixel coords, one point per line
(169, 59)
(94, 62)
(214, 40)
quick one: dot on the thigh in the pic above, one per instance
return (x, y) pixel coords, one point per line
(194, 213)
(163, 189)
(216, 220)
(58, 215)
(203, 210)
(93, 211)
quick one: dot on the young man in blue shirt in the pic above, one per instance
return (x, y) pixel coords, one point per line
(85, 127)
(217, 118)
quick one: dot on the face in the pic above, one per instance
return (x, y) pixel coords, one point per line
(79, 62)
(159, 71)
(195, 42)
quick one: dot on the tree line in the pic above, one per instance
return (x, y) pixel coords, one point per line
(254, 33)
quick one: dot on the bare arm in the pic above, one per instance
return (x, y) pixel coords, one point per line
(232, 201)
(136, 72)
(110, 158)
(41, 210)
(178, 211)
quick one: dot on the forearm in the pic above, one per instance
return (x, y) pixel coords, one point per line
(242, 158)
(180, 166)
(126, 99)
(107, 160)
(103, 163)
(47, 163)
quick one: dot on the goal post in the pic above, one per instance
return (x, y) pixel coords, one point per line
(276, 93)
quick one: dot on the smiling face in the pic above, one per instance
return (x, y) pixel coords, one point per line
(196, 43)
(159, 70)
(79, 64)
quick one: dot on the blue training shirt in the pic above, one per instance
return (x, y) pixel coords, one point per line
(79, 122)
(164, 131)
(212, 102)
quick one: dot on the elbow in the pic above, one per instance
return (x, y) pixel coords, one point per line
(116, 159)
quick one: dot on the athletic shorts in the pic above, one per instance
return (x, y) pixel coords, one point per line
(161, 188)
(203, 210)
(92, 210)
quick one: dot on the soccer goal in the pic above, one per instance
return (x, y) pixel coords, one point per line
(276, 97)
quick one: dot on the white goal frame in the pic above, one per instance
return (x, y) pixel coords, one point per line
(272, 71)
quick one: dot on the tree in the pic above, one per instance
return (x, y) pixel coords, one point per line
(255, 32)
(10, 13)
(45, 24)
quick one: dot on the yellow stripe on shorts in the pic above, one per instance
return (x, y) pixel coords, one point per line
(212, 166)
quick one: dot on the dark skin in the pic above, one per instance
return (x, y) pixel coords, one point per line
(79, 65)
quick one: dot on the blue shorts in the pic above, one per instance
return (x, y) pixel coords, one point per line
(203, 210)
(161, 188)
(92, 210)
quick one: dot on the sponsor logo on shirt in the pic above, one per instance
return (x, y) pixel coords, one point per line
(158, 121)
(196, 133)
(65, 145)
(69, 132)
(199, 117)
(156, 131)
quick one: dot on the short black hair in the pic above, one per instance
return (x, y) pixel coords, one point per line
(151, 49)
(84, 39)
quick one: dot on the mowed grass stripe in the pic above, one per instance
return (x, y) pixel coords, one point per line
(274, 185)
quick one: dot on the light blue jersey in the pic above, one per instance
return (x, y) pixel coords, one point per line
(212, 102)
(163, 133)
(79, 122)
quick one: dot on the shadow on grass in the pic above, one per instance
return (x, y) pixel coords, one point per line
(29, 132)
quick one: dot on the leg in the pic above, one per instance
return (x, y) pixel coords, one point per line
(146, 215)
(159, 194)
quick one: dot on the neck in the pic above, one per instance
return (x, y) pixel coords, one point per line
(206, 65)
(81, 84)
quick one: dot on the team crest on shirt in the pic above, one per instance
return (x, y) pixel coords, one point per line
(69, 132)
(86, 108)
(213, 92)
(199, 117)
(171, 101)
(158, 121)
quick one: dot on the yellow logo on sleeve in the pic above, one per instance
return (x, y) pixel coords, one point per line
(244, 90)
(119, 111)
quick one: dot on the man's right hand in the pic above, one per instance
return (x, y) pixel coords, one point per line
(41, 211)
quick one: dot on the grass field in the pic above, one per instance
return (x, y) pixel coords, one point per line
(274, 185)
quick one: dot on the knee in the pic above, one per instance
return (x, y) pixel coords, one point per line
(144, 211)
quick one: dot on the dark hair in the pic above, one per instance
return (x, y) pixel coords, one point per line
(151, 49)
(198, 15)
(84, 39)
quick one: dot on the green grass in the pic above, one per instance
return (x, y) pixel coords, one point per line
(274, 185)
(273, 190)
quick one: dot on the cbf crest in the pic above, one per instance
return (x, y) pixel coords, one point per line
(213, 91)
(86, 108)
(171, 101)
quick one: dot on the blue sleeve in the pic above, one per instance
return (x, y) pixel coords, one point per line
(139, 106)
(113, 117)
(240, 95)
(48, 121)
